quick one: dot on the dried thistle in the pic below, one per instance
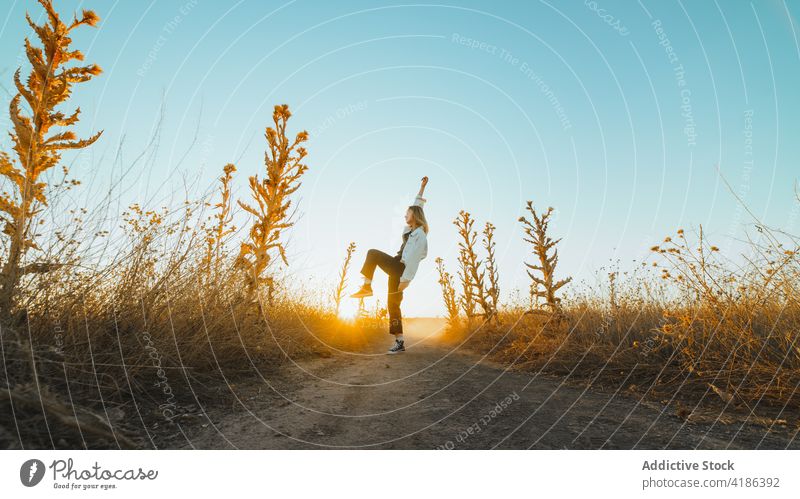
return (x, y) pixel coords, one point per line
(337, 294)
(472, 275)
(493, 293)
(448, 292)
(536, 233)
(612, 290)
(48, 85)
(467, 297)
(215, 236)
(284, 165)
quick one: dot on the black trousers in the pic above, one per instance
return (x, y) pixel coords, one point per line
(394, 269)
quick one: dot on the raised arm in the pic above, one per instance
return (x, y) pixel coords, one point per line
(422, 186)
(419, 200)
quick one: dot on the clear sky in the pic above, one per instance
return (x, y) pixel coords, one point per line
(615, 113)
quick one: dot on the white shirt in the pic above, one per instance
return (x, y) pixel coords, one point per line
(416, 247)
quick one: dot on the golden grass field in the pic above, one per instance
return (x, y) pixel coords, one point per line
(94, 328)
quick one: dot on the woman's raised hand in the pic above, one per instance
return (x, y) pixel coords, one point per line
(422, 186)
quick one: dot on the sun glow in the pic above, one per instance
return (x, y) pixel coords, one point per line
(348, 308)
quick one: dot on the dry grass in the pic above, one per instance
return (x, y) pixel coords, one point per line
(690, 327)
(134, 334)
(115, 340)
(147, 333)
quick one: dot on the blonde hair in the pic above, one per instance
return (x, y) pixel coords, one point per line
(419, 217)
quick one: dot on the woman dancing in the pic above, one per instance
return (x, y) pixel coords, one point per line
(401, 267)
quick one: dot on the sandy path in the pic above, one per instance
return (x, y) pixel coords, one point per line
(431, 397)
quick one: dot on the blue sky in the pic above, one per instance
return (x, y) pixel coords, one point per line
(615, 113)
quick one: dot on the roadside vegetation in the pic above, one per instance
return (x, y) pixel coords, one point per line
(686, 327)
(115, 343)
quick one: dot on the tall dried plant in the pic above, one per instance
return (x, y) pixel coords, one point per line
(543, 249)
(337, 294)
(612, 291)
(533, 296)
(448, 292)
(284, 165)
(216, 234)
(473, 273)
(467, 297)
(37, 150)
(493, 293)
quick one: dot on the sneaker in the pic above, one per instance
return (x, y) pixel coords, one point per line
(366, 290)
(397, 348)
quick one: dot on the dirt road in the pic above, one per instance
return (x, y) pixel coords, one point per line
(434, 397)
